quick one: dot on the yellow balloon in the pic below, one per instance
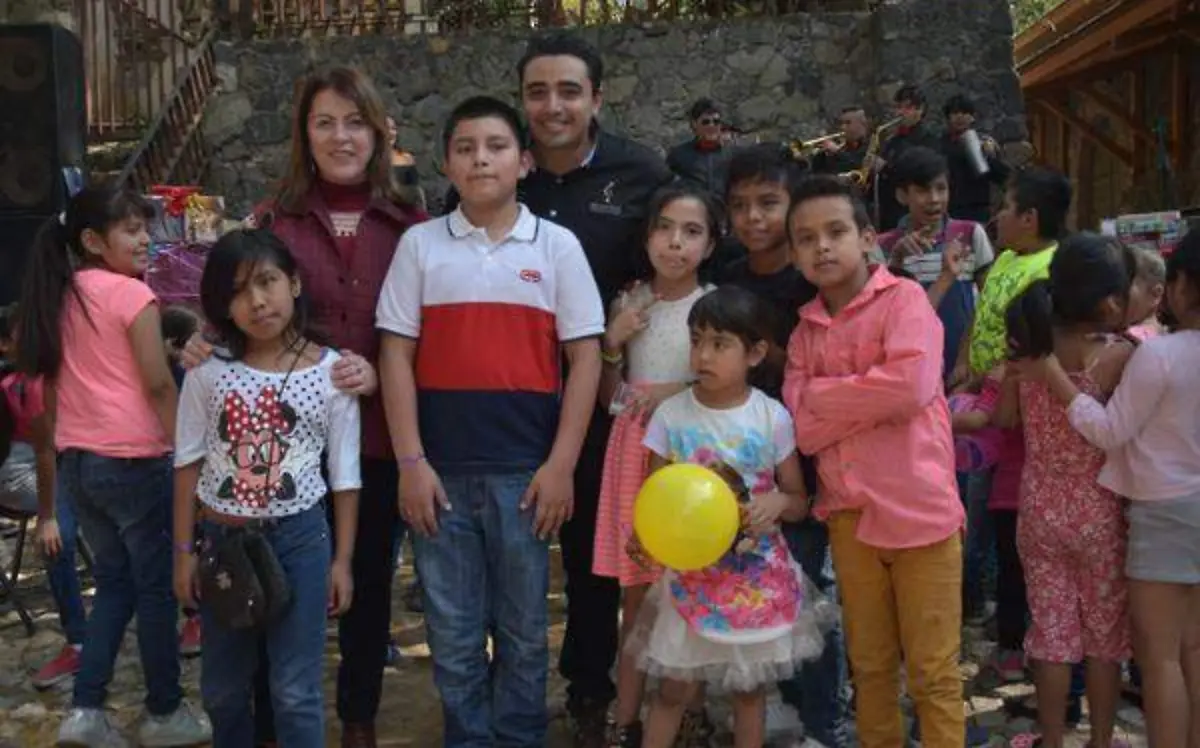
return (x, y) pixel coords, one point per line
(686, 517)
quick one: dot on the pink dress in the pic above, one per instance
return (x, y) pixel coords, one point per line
(659, 354)
(1071, 535)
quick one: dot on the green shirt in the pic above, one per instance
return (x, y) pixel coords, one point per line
(1010, 275)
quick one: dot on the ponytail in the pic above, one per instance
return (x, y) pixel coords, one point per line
(57, 252)
(1030, 322)
(47, 278)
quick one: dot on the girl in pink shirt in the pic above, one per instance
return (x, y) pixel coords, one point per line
(1149, 432)
(864, 386)
(91, 328)
(1071, 531)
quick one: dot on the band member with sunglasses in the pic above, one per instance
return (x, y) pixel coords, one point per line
(703, 159)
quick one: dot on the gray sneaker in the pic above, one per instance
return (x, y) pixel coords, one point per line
(89, 728)
(185, 726)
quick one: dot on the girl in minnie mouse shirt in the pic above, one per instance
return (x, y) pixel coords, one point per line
(251, 432)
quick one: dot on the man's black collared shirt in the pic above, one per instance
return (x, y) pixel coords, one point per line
(604, 202)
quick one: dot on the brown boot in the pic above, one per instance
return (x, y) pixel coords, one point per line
(358, 735)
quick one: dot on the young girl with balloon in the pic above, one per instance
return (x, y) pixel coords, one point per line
(733, 611)
(646, 361)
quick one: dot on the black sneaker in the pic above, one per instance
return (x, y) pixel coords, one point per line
(589, 720)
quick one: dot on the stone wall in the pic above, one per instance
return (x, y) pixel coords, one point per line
(776, 77)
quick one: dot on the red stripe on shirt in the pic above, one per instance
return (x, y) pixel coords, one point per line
(490, 347)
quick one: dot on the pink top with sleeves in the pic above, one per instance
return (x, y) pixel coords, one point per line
(1150, 427)
(865, 390)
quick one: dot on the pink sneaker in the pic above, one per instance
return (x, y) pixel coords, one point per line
(64, 666)
(1009, 664)
(189, 637)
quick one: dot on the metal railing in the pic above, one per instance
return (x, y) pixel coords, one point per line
(135, 52)
(173, 150)
(288, 18)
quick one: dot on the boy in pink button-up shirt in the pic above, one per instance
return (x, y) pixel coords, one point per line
(864, 384)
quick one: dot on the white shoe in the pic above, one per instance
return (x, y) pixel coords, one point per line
(89, 728)
(186, 726)
(782, 721)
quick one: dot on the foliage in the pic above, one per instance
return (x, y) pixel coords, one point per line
(1026, 12)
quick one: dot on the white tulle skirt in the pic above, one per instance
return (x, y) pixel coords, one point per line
(665, 646)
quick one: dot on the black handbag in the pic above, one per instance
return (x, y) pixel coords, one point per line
(242, 583)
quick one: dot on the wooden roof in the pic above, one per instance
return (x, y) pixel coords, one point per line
(1088, 36)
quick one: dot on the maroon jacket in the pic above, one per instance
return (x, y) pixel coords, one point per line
(343, 293)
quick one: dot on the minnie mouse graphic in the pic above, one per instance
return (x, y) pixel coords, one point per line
(257, 444)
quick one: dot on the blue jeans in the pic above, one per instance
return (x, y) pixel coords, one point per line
(486, 572)
(62, 574)
(817, 691)
(124, 509)
(295, 645)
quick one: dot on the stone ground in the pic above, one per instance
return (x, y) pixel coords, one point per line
(410, 714)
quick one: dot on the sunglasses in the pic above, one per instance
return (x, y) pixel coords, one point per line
(712, 119)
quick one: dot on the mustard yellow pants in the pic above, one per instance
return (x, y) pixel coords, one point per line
(902, 605)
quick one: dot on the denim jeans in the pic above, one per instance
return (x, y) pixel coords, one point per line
(124, 509)
(295, 645)
(62, 574)
(817, 691)
(486, 572)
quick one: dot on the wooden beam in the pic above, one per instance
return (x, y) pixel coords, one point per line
(1070, 119)
(1159, 31)
(1137, 110)
(1117, 110)
(1100, 66)
(1094, 37)
(1180, 108)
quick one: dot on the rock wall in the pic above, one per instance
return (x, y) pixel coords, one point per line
(776, 77)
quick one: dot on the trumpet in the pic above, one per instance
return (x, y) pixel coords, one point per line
(859, 177)
(804, 150)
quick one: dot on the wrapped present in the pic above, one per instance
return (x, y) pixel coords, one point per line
(174, 273)
(205, 218)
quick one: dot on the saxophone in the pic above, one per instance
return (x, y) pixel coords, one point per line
(858, 177)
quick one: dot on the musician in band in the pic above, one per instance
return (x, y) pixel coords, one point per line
(704, 159)
(912, 131)
(847, 155)
(970, 191)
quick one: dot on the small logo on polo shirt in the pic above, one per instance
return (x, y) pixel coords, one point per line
(531, 276)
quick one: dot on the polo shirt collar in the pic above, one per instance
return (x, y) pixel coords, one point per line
(524, 230)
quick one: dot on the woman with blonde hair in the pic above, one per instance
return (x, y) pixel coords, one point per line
(340, 212)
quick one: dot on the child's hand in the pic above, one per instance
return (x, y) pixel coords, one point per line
(552, 492)
(764, 510)
(49, 538)
(648, 399)
(187, 586)
(632, 316)
(637, 553)
(1032, 369)
(341, 588)
(954, 259)
(421, 494)
(912, 244)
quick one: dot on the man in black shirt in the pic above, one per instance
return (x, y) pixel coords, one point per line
(837, 158)
(703, 159)
(970, 192)
(598, 185)
(912, 131)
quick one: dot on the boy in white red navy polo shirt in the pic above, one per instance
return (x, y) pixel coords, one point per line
(476, 312)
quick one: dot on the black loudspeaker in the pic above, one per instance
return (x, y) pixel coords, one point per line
(43, 137)
(43, 118)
